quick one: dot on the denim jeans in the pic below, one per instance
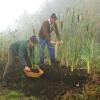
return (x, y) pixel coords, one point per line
(42, 44)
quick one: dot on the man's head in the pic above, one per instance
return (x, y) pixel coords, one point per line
(53, 18)
(33, 41)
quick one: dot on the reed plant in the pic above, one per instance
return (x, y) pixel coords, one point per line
(78, 35)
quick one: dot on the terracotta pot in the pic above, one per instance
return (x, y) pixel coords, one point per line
(34, 73)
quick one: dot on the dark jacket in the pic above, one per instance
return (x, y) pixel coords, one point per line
(22, 50)
(45, 31)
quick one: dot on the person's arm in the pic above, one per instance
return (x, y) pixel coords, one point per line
(21, 54)
(45, 30)
(22, 60)
(55, 28)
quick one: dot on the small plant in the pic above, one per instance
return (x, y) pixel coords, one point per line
(88, 45)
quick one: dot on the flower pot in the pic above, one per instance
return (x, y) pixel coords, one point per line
(35, 73)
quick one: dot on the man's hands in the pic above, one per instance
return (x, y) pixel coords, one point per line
(27, 69)
(52, 42)
(57, 42)
(60, 42)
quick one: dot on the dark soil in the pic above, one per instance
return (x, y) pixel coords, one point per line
(57, 83)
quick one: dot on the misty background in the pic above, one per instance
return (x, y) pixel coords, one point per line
(28, 20)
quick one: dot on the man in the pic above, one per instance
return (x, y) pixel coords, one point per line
(23, 50)
(45, 37)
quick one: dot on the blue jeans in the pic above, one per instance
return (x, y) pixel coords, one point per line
(42, 44)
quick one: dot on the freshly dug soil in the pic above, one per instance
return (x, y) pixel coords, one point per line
(35, 70)
(57, 83)
(63, 73)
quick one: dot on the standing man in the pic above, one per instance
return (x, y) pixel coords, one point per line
(45, 37)
(23, 50)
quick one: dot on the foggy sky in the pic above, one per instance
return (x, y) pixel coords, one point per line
(27, 21)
